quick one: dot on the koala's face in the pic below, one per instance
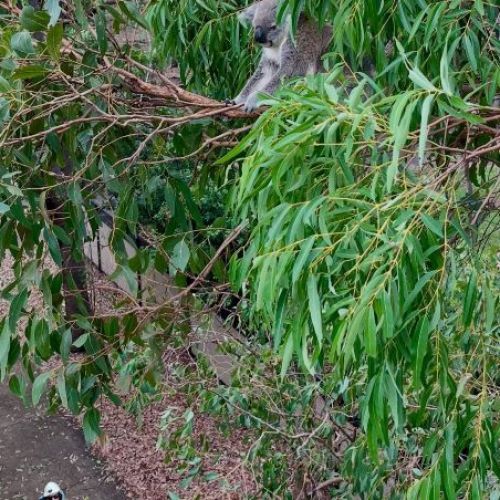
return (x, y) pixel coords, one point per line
(262, 15)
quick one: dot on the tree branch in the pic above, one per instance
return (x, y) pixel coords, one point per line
(177, 95)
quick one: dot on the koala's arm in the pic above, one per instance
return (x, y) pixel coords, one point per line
(252, 83)
(252, 101)
(290, 66)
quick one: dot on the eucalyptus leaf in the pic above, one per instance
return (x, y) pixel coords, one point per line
(21, 42)
(39, 386)
(54, 10)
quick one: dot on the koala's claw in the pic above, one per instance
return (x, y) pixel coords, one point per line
(251, 104)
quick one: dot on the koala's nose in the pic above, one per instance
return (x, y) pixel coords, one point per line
(260, 35)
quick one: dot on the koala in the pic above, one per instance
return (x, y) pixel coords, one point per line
(282, 57)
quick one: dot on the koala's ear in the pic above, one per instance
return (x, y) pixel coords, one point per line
(246, 15)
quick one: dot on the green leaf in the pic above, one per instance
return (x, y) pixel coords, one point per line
(471, 54)
(4, 116)
(80, 341)
(21, 42)
(470, 117)
(413, 491)
(389, 321)
(5, 86)
(370, 333)
(180, 257)
(391, 171)
(4, 348)
(33, 20)
(476, 489)
(42, 339)
(417, 289)
(264, 288)
(448, 464)
(422, 140)
(315, 307)
(132, 12)
(31, 72)
(278, 318)
(304, 254)
(419, 79)
(478, 4)
(16, 307)
(15, 385)
(53, 244)
(287, 355)
(80, 14)
(54, 10)
(470, 299)
(444, 72)
(130, 277)
(422, 346)
(66, 344)
(238, 149)
(355, 330)
(54, 41)
(61, 388)
(393, 396)
(490, 308)
(100, 28)
(304, 354)
(434, 225)
(39, 386)
(91, 425)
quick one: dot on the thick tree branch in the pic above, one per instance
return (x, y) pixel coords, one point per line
(175, 94)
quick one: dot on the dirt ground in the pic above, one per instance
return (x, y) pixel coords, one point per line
(36, 448)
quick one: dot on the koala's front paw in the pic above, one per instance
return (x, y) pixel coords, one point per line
(251, 103)
(234, 102)
(237, 100)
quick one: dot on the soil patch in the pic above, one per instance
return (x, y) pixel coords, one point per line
(36, 448)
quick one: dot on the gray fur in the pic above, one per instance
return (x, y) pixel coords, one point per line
(281, 57)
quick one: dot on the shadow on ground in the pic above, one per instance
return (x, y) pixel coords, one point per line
(36, 448)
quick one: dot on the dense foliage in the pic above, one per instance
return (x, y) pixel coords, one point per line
(205, 39)
(368, 277)
(73, 142)
(366, 269)
(367, 283)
